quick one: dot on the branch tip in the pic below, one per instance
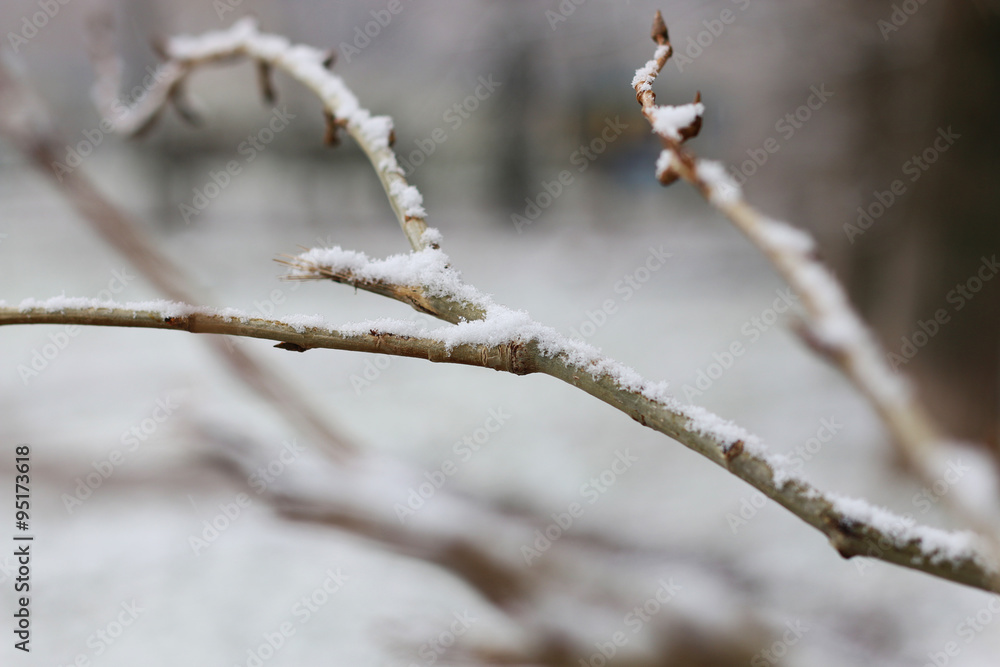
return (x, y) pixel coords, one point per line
(660, 34)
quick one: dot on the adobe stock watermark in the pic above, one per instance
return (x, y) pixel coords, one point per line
(590, 491)
(250, 148)
(464, 450)
(635, 620)
(212, 529)
(786, 127)
(581, 158)
(899, 17)
(930, 496)
(625, 288)
(164, 409)
(564, 10)
(302, 612)
(967, 630)
(42, 357)
(364, 35)
(454, 117)
(686, 54)
(752, 330)
(229, 512)
(106, 636)
(794, 462)
(914, 168)
(8, 569)
(772, 655)
(958, 297)
(876, 549)
(265, 475)
(118, 108)
(376, 364)
(32, 25)
(267, 306)
(434, 648)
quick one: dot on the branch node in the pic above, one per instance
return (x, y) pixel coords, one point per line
(292, 347)
(732, 451)
(331, 135)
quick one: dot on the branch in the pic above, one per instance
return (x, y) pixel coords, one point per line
(853, 527)
(832, 327)
(478, 542)
(423, 279)
(23, 119)
(309, 66)
(298, 334)
(508, 340)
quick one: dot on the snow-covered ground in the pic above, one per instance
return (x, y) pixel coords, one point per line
(125, 554)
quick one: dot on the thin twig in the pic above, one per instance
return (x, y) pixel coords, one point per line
(24, 120)
(516, 343)
(310, 67)
(832, 327)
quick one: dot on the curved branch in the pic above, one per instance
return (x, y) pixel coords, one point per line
(853, 527)
(291, 334)
(23, 120)
(309, 66)
(832, 327)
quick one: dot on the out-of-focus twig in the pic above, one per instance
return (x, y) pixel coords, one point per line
(510, 340)
(24, 120)
(479, 544)
(309, 66)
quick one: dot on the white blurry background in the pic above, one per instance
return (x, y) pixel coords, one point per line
(560, 84)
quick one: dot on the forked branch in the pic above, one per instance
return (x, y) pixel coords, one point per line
(486, 334)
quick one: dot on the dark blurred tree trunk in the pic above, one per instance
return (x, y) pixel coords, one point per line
(905, 266)
(963, 201)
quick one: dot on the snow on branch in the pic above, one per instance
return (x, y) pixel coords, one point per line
(24, 122)
(297, 333)
(482, 333)
(306, 64)
(422, 279)
(831, 327)
(509, 341)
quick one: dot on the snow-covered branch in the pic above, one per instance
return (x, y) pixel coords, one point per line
(831, 327)
(24, 120)
(423, 279)
(306, 64)
(482, 333)
(297, 333)
(509, 341)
